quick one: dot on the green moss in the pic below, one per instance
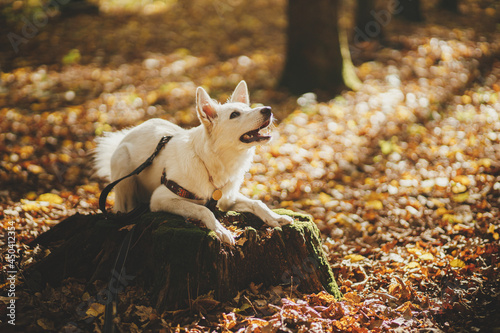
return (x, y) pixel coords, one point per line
(315, 247)
(176, 239)
(299, 216)
(178, 245)
(306, 225)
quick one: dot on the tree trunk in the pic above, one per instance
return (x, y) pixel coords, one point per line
(314, 59)
(410, 10)
(450, 5)
(177, 261)
(367, 27)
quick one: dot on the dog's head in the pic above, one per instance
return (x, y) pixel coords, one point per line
(234, 123)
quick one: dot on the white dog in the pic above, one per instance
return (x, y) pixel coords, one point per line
(195, 165)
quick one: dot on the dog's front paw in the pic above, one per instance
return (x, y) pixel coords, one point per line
(284, 219)
(276, 220)
(224, 235)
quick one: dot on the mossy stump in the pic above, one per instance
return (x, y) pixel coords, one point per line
(177, 261)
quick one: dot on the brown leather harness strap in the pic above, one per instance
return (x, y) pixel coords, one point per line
(177, 189)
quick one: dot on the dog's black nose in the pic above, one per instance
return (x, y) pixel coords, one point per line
(266, 111)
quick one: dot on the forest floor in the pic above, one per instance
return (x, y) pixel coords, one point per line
(402, 177)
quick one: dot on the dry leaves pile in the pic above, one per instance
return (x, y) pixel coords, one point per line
(402, 177)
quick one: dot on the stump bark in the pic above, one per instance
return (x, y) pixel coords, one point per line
(177, 261)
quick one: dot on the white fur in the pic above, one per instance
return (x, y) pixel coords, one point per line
(214, 146)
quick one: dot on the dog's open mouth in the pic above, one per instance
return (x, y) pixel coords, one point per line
(255, 135)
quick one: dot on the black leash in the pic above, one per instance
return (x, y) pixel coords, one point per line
(110, 310)
(104, 194)
(118, 269)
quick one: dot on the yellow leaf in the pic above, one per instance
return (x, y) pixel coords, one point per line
(152, 97)
(324, 198)
(450, 218)
(457, 263)
(91, 188)
(458, 188)
(369, 181)
(486, 162)
(412, 265)
(51, 198)
(414, 250)
(491, 230)
(287, 204)
(36, 169)
(438, 203)
(374, 204)
(242, 308)
(385, 147)
(354, 257)
(308, 202)
(258, 322)
(426, 256)
(466, 99)
(241, 241)
(461, 197)
(95, 310)
(30, 206)
(441, 211)
(65, 158)
(462, 179)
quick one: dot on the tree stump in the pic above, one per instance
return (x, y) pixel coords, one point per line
(177, 261)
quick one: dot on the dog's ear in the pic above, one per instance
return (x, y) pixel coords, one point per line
(240, 94)
(205, 107)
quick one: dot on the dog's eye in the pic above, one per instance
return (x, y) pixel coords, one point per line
(234, 115)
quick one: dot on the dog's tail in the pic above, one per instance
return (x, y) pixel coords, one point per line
(106, 146)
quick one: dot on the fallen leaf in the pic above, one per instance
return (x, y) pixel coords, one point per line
(412, 265)
(51, 198)
(354, 257)
(461, 197)
(426, 256)
(95, 310)
(374, 204)
(457, 263)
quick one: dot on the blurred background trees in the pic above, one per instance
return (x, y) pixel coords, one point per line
(314, 46)
(410, 10)
(313, 57)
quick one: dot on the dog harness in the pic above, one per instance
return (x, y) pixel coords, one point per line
(104, 194)
(182, 192)
(176, 188)
(170, 184)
